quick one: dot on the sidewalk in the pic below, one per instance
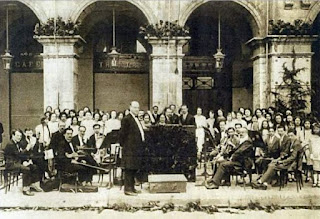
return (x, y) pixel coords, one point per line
(233, 196)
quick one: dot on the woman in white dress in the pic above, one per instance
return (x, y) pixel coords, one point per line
(53, 123)
(315, 154)
(113, 123)
(210, 124)
(88, 123)
(200, 123)
(75, 126)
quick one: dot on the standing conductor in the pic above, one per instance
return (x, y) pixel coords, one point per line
(131, 140)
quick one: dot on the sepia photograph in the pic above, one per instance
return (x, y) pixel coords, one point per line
(159, 109)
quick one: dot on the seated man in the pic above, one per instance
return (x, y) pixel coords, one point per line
(240, 158)
(17, 160)
(284, 162)
(272, 151)
(68, 157)
(79, 140)
(96, 139)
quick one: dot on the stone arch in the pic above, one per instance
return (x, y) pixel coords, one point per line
(256, 20)
(39, 12)
(313, 12)
(145, 9)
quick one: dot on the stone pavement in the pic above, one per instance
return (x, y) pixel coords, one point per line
(233, 196)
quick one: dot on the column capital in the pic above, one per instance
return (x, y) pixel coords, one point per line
(67, 40)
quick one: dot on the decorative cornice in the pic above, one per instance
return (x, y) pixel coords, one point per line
(47, 40)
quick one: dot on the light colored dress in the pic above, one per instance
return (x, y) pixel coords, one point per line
(315, 151)
(305, 139)
(53, 126)
(200, 122)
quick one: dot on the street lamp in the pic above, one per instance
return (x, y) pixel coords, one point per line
(7, 57)
(219, 56)
(113, 55)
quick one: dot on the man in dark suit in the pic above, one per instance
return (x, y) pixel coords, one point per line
(185, 117)
(284, 162)
(17, 160)
(240, 158)
(79, 140)
(155, 114)
(174, 117)
(168, 115)
(94, 138)
(131, 140)
(57, 137)
(67, 154)
(272, 151)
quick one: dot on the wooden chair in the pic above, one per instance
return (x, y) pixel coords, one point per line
(111, 163)
(10, 177)
(297, 171)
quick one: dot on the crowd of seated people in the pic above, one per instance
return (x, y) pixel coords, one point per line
(267, 140)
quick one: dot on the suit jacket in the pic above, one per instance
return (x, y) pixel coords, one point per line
(292, 154)
(175, 119)
(75, 141)
(57, 137)
(243, 153)
(62, 149)
(156, 117)
(131, 142)
(284, 146)
(12, 155)
(188, 121)
(273, 147)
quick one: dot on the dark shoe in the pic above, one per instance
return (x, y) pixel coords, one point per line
(226, 184)
(130, 193)
(259, 186)
(255, 185)
(211, 185)
(136, 191)
(28, 193)
(277, 184)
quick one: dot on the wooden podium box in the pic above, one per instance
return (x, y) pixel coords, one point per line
(167, 183)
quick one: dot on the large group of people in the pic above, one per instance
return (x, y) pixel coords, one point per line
(267, 140)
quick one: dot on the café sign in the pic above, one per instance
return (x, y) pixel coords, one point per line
(127, 63)
(27, 64)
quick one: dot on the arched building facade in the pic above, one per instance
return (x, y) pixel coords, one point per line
(74, 71)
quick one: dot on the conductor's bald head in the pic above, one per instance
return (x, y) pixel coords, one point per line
(134, 107)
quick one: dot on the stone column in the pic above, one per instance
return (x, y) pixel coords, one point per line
(60, 70)
(282, 49)
(166, 71)
(5, 106)
(261, 87)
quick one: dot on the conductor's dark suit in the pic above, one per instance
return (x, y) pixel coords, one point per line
(132, 149)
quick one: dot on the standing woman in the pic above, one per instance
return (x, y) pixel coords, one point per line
(200, 123)
(88, 123)
(260, 117)
(315, 154)
(220, 117)
(247, 116)
(264, 130)
(299, 128)
(305, 139)
(211, 122)
(53, 123)
(74, 125)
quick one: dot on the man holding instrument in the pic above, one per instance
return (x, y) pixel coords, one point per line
(69, 160)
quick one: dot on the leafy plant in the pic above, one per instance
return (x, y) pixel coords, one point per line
(292, 92)
(57, 27)
(298, 27)
(164, 29)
